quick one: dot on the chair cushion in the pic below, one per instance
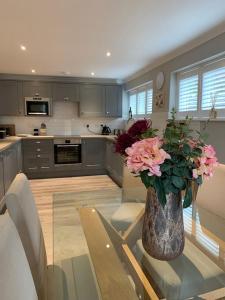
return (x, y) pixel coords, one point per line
(22, 209)
(126, 214)
(16, 281)
(190, 274)
(211, 194)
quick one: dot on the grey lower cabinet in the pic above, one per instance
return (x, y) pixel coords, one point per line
(9, 100)
(2, 187)
(113, 101)
(38, 157)
(114, 163)
(92, 100)
(93, 155)
(36, 88)
(65, 92)
(10, 165)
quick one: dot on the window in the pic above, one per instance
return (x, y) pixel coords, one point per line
(200, 90)
(140, 100)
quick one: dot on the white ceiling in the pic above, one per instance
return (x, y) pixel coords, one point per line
(74, 35)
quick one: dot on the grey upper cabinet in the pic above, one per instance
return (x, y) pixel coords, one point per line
(37, 88)
(92, 100)
(65, 92)
(9, 102)
(93, 153)
(113, 101)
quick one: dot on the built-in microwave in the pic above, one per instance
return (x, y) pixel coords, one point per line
(38, 106)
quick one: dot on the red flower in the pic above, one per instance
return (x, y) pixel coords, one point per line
(124, 141)
(139, 127)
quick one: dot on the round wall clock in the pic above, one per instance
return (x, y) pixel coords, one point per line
(160, 80)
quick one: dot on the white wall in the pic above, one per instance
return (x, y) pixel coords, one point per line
(65, 121)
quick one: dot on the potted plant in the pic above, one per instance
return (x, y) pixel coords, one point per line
(168, 166)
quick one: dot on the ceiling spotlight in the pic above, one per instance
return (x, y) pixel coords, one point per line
(23, 48)
(33, 71)
(92, 74)
(108, 54)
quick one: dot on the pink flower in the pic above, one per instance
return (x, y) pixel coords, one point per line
(206, 163)
(146, 155)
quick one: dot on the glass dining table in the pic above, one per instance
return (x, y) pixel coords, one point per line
(92, 260)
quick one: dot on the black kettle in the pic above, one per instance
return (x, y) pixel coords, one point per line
(106, 130)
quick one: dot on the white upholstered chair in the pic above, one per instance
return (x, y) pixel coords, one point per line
(16, 282)
(22, 209)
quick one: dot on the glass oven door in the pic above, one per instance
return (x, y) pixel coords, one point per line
(37, 108)
(67, 154)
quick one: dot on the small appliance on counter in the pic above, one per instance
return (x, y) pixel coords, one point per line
(118, 131)
(43, 129)
(36, 131)
(9, 129)
(106, 130)
(2, 134)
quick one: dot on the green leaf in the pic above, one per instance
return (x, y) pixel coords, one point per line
(187, 197)
(199, 180)
(160, 191)
(165, 167)
(178, 171)
(145, 179)
(178, 182)
(186, 149)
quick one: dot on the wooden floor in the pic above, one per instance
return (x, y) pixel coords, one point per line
(43, 190)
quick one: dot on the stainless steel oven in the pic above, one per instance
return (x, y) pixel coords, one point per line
(67, 151)
(38, 106)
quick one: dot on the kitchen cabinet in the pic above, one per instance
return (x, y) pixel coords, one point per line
(10, 166)
(114, 163)
(65, 92)
(92, 100)
(9, 100)
(113, 101)
(2, 189)
(93, 153)
(37, 88)
(38, 156)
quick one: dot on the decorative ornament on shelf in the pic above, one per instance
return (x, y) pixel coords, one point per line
(159, 100)
(168, 167)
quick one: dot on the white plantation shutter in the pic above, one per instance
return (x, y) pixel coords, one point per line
(140, 100)
(213, 89)
(149, 101)
(188, 94)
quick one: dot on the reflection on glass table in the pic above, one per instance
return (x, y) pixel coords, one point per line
(94, 260)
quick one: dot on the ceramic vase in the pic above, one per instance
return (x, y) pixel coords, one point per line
(163, 228)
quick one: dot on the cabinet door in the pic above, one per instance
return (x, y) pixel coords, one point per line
(93, 153)
(10, 166)
(2, 190)
(92, 100)
(113, 101)
(65, 92)
(19, 157)
(9, 102)
(37, 88)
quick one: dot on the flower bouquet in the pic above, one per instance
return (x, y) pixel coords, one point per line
(168, 166)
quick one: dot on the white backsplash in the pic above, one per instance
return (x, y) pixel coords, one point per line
(65, 121)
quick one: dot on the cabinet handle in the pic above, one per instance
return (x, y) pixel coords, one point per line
(93, 165)
(107, 112)
(36, 94)
(38, 149)
(66, 99)
(32, 168)
(37, 142)
(45, 167)
(38, 155)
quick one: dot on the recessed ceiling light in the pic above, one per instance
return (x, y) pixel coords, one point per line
(33, 71)
(92, 73)
(108, 54)
(23, 48)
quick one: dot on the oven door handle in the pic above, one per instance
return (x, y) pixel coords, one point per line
(69, 145)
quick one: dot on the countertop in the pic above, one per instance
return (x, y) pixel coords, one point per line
(9, 141)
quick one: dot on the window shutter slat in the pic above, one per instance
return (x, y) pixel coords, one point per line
(133, 103)
(149, 101)
(188, 94)
(141, 102)
(213, 89)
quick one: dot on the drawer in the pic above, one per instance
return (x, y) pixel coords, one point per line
(37, 146)
(38, 162)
